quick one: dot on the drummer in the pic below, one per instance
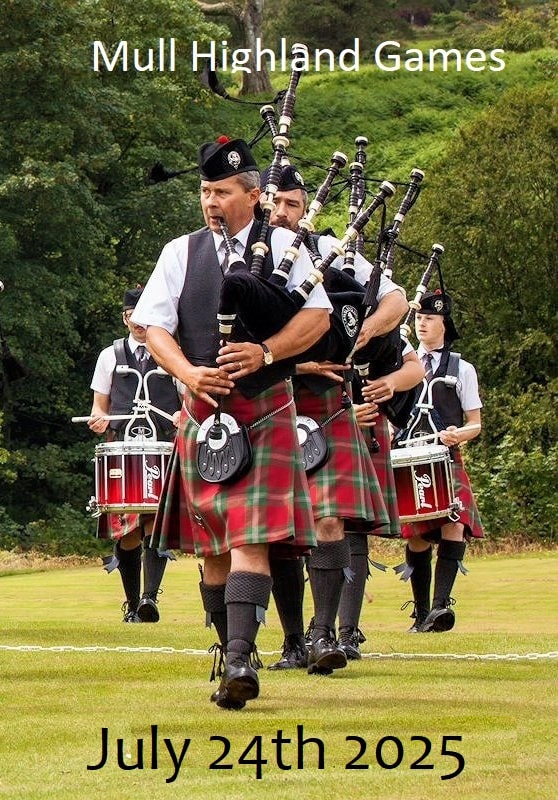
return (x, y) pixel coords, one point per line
(113, 394)
(457, 406)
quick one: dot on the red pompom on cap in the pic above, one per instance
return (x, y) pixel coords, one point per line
(223, 139)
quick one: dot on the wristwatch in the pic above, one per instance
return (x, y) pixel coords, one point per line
(267, 355)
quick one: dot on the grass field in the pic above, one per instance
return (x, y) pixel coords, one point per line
(383, 726)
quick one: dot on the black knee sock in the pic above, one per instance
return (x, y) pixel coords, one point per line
(352, 592)
(449, 555)
(287, 575)
(326, 571)
(421, 577)
(247, 597)
(213, 599)
(129, 566)
(153, 570)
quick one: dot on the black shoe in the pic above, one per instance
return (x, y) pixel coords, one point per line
(419, 616)
(130, 614)
(308, 634)
(239, 683)
(147, 609)
(350, 640)
(295, 654)
(221, 697)
(439, 620)
(325, 656)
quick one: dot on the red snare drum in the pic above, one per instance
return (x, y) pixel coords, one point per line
(129, 475)
(423, 482)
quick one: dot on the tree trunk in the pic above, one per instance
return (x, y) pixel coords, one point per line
(250, 18)
(255, 81)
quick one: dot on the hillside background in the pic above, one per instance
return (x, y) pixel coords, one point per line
(80, 220)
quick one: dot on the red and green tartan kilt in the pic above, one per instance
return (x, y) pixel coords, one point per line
(469, 516)
(269, 504)
(116, 526)
(346, 486)
(384, 472)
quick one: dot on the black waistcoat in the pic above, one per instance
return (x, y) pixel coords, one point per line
(444, 398)
(198, 331)
(162, 393)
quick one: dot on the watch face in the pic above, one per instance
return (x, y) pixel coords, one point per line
(268, 358)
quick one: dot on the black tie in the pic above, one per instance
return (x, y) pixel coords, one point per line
(427, 362)
(142, 357)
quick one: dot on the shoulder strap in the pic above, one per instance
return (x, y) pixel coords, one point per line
(453, 365)
(120, 352)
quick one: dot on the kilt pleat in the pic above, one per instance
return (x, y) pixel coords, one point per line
(469, 515)
(269, 504)
(116, 526)
(347, 485)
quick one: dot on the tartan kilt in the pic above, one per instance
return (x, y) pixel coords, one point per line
(269, 504)
(116, 526)
(469, 516)
(346, 486)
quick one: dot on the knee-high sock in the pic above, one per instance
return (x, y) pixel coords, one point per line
(326, 567)
(352, 592)
(287, 575)
(153, 570)
(421, 578)
(213, 599)
(246, 597)
(129, 566)
(449, 555)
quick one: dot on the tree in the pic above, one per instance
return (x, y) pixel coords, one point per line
(249, 15)
(491, 203)
(79, 221)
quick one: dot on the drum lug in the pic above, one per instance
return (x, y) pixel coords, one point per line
(455, 508)
(92, 507)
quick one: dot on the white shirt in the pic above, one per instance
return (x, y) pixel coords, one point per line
(467, 387)
(106, 364)
(363, 268)
(158, 304)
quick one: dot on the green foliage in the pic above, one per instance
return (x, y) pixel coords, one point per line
(65, 532)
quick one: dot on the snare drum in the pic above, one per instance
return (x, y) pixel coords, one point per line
(423, 482)
(129, 476)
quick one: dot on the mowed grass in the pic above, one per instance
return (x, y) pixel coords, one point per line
(382, 714)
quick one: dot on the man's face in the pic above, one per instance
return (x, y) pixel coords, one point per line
(228, 200)
(138, 331)
(289, 209)
(430, 330)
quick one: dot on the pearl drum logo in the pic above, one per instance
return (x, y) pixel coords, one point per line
(151, 481)
(423, 485)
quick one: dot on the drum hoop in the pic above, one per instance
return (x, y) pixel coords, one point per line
(133, 448)
(408, 456)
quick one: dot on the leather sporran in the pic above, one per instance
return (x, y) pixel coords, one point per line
(311, 438)
(224, 450)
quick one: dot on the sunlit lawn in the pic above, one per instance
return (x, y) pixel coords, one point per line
(376, 730)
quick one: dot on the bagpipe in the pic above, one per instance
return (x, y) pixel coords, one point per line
(382, 355)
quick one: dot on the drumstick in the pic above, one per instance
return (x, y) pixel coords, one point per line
(127, 416)
(474, 426)
(115, 416)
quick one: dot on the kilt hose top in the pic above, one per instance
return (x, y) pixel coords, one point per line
(271, 503)
(346, 486)
(468, 516)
